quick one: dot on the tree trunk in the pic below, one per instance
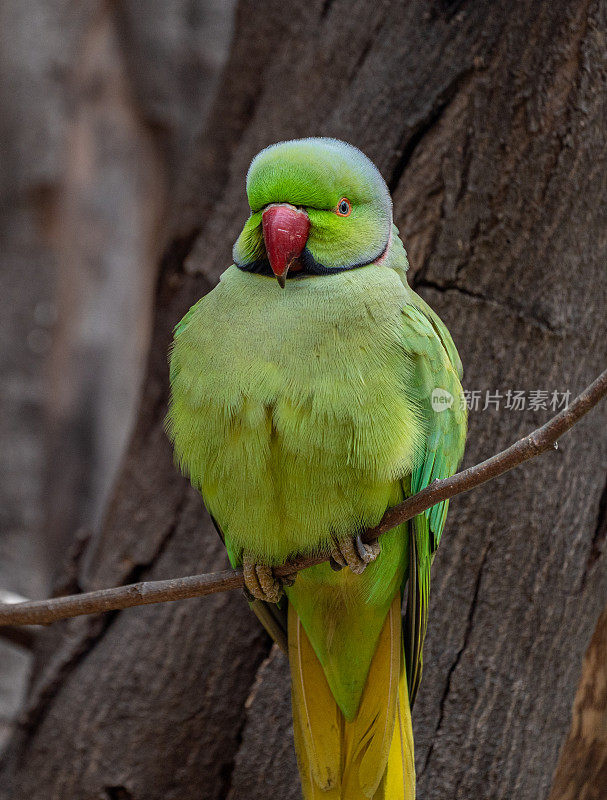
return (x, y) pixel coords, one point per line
(582, 770)
(99, 102)
(487, 120)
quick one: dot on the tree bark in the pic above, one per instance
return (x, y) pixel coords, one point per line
(87, 141)
(487, 120)
(582, 770)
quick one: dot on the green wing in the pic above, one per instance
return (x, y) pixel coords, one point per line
(436, 379)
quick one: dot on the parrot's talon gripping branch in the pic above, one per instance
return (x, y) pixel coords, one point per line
(368, 551)
(248, 596)
(260, 582)
(354, 553)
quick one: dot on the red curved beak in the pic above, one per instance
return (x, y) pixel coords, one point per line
(285, 233)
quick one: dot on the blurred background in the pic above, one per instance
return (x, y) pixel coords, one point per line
(101, 105)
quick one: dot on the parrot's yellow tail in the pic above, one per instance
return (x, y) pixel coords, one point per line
(369, 757)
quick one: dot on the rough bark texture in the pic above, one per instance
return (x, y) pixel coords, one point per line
(487, 120)
(582, 771)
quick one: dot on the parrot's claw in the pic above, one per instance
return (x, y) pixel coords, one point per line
(260, 582)
(354, 553)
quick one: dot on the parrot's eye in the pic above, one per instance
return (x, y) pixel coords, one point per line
(344, 209)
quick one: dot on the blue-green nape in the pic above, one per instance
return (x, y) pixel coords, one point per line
(317, 174)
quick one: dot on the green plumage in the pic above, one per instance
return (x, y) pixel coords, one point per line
(302, 414)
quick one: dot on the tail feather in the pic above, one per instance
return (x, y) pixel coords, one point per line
(399, 777)
(318, 722)
(369, 736)
(370, 757)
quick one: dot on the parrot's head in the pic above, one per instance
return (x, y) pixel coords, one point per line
(318, 206)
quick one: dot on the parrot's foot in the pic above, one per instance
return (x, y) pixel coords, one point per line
(354, 553)
(260, 582)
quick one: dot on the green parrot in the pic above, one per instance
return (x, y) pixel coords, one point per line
(302, 409)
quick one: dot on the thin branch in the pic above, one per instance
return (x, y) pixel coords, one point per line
(20, 635)
(46, 611)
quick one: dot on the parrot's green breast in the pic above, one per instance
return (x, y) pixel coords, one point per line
(295, 413)
(292, 410)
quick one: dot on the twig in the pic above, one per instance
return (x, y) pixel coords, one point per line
(20, 635)
(138, 594)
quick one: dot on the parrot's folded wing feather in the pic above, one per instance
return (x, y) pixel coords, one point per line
(442, 332)
(273, 617)
(437, 371)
